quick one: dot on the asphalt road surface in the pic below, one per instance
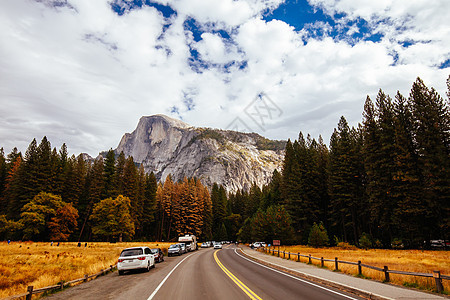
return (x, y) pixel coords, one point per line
(203, 274)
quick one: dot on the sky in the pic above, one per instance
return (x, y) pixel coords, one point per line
(83, 72)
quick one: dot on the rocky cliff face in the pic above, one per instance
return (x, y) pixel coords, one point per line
(167, 146)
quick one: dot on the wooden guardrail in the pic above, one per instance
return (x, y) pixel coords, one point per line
(31, 291)
(438, 277)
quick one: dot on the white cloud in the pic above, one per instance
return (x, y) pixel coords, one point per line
(84, 75)
(227, 13)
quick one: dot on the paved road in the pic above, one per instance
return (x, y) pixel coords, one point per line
(204, 274)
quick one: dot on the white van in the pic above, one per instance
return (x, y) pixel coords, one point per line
(135, 258)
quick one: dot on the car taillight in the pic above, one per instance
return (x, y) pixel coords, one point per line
(141, 258)
(120, 260)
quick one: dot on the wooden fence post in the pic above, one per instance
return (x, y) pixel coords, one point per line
(309, 259)
(30, 292)
(61, 285)
(85, 277)
(386, 273)
(438, 280)
(289, 255)
(321, 262)
(278, 252)
(359, 268)
(298, 256)
(336, 267)
(284, 254)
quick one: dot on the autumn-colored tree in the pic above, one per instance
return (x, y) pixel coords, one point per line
(3, 176)
(11, 192)
(63, 223)
(164, 196)
(112, 220)
(41, 214)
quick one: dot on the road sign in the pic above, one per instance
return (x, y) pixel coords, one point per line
(276, 242)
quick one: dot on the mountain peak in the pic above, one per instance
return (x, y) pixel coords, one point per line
(168, 120)
(236, 160)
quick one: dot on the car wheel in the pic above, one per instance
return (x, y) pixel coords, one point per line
(121, 272)
(153, 266)
(148, 267)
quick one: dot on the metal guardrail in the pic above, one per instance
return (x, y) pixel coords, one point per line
(436, 274)
(31, 291)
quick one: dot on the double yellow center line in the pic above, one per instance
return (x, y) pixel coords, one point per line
(239, 283)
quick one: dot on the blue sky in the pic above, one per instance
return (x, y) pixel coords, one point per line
(83, 72)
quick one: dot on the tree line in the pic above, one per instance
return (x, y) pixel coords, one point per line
(385, 181)
(37, 187)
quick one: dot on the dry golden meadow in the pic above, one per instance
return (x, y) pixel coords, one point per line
(420, 261)
(40, 265)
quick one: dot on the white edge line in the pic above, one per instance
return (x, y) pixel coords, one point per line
(288, 275)
(165, 278)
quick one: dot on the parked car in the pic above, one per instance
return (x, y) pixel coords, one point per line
(217, 245)
(174, 249)
(159, 255)
(204, 245)
(135, 258)
(183, 248)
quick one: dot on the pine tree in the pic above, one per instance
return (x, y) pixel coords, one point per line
(44, 173)
(3, 176)
(219, 205)
(130, 190)
(12, 186)
(149, 205)
(28, 173)
(119, 173)
(207, 215)
(382, 196)
(109, 171)
(345, 201)
(95, 187)
(431, 131)
(411, 214)
(291, 185)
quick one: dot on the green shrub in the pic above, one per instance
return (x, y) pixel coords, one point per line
(364, 241)
(318, 236)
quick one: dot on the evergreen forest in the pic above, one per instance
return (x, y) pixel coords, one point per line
(384, 183)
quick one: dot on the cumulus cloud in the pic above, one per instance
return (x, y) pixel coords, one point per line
(80, 73)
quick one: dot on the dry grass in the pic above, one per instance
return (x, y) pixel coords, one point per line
(400, 260)
(40, 265)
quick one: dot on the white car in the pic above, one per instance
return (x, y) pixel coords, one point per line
(135, 258)
(217, 245)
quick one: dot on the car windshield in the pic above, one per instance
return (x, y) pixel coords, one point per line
(174, 246)
(131, 252)
(154, 251)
